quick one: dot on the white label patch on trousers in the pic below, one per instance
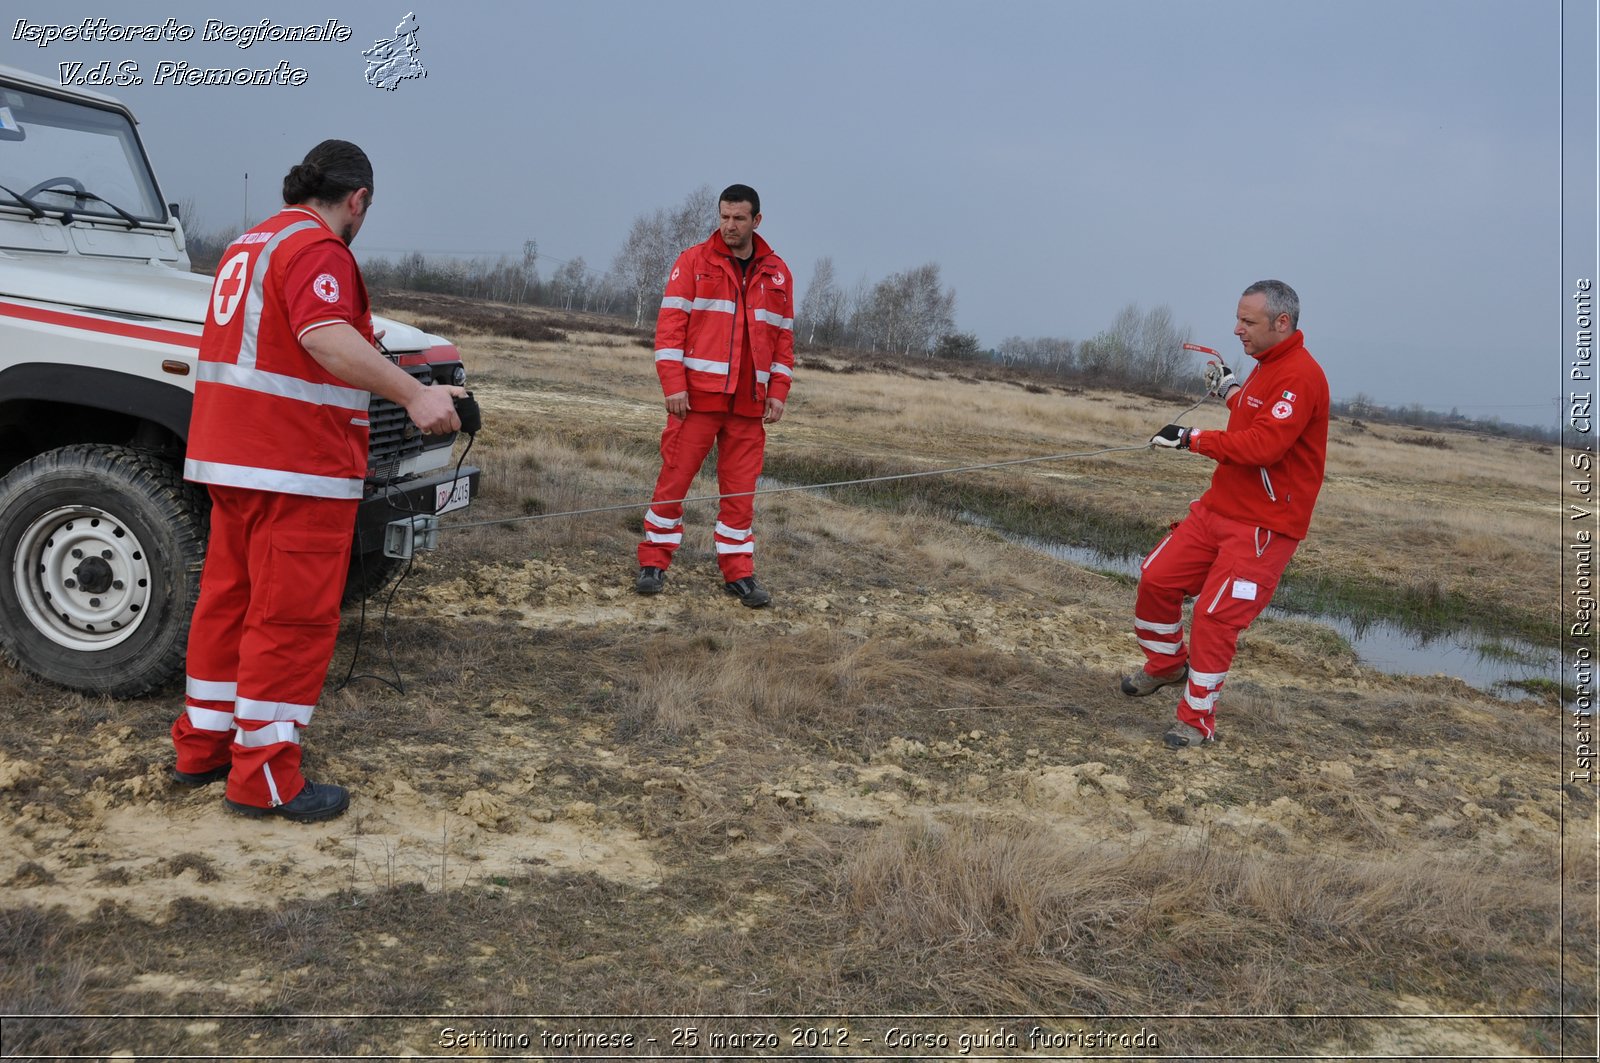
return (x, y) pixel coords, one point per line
(1243, 588)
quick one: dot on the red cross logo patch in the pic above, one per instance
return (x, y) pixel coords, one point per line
(326, 288)
(228, 290)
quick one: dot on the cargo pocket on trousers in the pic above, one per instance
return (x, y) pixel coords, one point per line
(305, 575)
(1239, 600)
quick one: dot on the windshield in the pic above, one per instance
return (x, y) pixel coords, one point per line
(66, 155)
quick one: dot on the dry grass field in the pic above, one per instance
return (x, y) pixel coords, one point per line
(900, 813)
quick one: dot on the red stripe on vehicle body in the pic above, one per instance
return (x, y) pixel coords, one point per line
(95, 324)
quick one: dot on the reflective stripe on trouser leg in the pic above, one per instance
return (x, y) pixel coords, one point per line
(202, 732)
(1200, 700)
(1173, 570)
(1239, 588)
(298, 560)
(684, 446)
(741, 448)
(1165, 640)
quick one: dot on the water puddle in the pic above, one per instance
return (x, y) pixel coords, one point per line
(1482, 661)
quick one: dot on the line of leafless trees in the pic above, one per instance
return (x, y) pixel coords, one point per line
(1142, 348)
(907, 314)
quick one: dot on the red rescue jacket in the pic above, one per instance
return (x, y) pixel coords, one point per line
(1271, 457)
(701, 330)
(267, 416)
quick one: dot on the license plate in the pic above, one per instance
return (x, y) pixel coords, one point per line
(455, 494)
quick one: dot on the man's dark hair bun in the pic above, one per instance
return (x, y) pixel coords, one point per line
(330, 171)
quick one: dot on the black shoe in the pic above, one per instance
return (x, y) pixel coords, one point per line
(650, 581)
(748, 591)
(310, 805)
(201, 778)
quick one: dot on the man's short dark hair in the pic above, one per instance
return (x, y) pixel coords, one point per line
(741, 194)
(1281, 299)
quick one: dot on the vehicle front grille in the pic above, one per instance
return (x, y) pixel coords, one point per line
(393, 437)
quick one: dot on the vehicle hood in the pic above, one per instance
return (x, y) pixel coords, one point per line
(145, 290)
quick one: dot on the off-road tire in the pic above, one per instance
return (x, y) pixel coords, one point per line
(369, 574)
(100, 555)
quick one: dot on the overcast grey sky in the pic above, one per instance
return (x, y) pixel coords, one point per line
(1398, 162)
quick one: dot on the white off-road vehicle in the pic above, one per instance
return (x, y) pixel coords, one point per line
(101, 539)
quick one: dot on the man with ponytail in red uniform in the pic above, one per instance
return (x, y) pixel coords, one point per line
(1231, 549)
(278, 435)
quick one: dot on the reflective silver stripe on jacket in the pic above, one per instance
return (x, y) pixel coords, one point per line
(288, 483)
(282, 385)
(774, 319)
(256, 299)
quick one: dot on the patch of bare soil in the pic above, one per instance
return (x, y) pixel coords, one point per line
(908, 787)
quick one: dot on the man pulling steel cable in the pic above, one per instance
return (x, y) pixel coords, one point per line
(1230, 551)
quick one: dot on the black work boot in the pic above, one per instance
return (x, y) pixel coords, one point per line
(748, 591)
(201, 778)
(310, 805)
(650, 580)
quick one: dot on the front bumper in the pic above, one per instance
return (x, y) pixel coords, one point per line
(440, 492)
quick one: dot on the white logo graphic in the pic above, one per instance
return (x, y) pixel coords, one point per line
(326, 288)
(777, 278)
(394, 60)
(1281, 410)
(675, 272)
(228, 291)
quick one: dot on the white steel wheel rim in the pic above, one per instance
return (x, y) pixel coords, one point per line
(82, 578)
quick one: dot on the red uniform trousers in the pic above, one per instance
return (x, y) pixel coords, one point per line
(740, 442)
(1231, 569)
(262, 637)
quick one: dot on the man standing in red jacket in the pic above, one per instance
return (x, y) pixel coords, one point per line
(1229, 553)
(725, 356)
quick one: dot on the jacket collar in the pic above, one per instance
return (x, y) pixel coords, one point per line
(720, 246)
(1294, 340)
(308, 212)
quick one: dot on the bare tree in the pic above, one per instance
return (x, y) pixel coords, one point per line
(693, 219)
(572, 284)
(1162, 359)
(932, 309)
(1051, 353)
(530, 269)
(822, 311)
(641, 266)
(906, 312)
(654, 242)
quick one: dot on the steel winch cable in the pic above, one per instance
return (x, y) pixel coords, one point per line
(816, 487)
(398, 684)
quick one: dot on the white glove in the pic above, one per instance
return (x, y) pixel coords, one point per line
(1219, 378)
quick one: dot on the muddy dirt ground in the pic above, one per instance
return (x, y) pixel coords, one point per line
(908, 788)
